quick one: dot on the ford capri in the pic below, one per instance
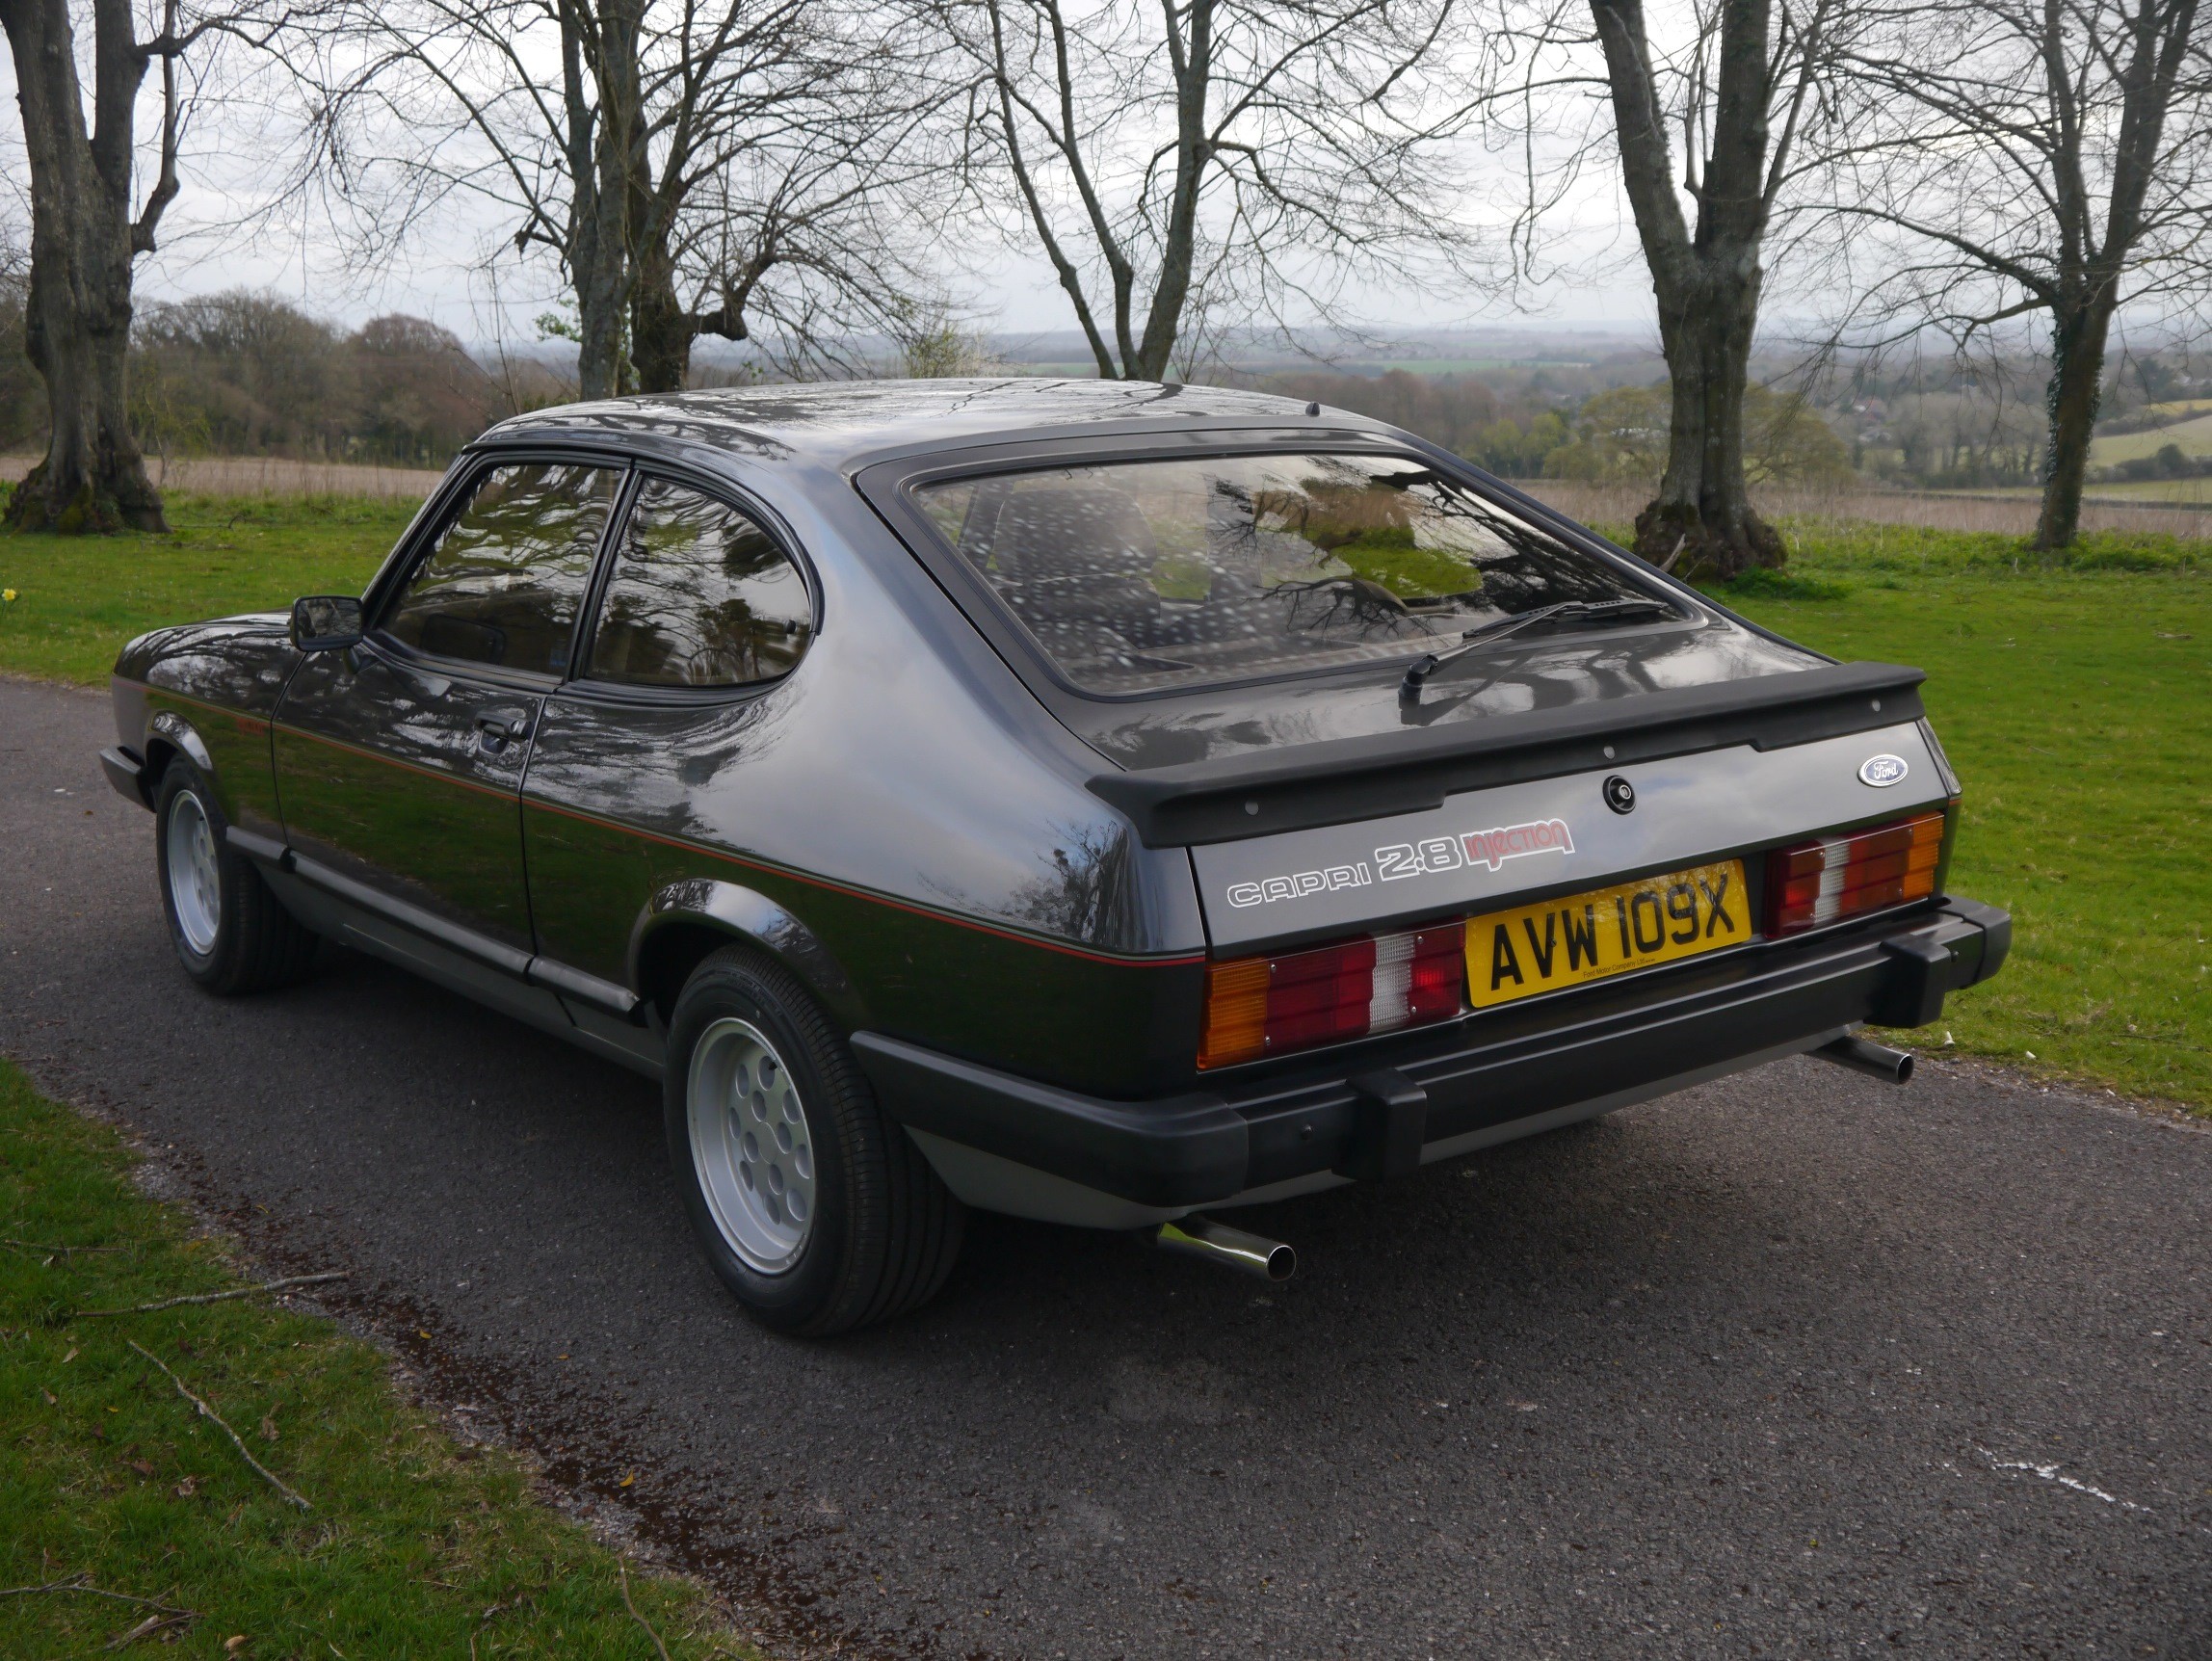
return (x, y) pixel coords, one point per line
(1098, 803)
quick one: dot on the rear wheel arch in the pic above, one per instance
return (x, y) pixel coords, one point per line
(686, 922)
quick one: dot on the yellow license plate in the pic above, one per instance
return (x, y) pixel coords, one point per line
(1564, 943)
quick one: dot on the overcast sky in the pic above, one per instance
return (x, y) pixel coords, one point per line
(221, 233)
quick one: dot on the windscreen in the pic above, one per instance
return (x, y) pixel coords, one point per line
(1142, 576)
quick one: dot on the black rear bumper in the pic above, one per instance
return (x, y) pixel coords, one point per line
(1371, 1109)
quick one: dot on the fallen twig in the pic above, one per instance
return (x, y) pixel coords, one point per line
(78, 1583)
(34, 1247)
(207, 1412)
(164, 1616)
(147, 1627)
(216, 1297)
(625, 1576)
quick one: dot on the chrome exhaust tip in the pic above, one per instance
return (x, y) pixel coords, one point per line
(1875, 1060)
(1230, 1247)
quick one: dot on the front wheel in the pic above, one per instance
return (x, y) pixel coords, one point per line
(230, 933)
(812, 1207)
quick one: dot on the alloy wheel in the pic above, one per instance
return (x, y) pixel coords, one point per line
(751, 1145)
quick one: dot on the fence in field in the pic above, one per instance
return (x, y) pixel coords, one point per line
(1614, 506)
(269, 476)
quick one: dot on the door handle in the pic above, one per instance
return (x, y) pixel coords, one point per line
(496, 730)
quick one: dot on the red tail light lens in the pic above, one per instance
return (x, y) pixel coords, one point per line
(1375, 983)
(1821, 883)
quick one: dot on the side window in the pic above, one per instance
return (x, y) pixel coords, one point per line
(503, 584)
(699, 595)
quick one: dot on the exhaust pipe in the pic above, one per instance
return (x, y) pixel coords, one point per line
(1877, 1060)
(1230, 1247)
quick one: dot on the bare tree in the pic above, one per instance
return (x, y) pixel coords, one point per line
(793, 240)
(2024, 158)
(693, 167)
(1746, 92)
(1208, 158)
(85, 237)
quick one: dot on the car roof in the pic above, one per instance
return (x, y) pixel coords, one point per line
(842, 423)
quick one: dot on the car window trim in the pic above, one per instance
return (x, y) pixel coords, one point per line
(452, 495)
(580, 680)
(889, 486)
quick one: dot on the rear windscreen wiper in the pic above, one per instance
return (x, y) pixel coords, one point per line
(1423, 667)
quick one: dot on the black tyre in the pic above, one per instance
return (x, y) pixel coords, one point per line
(815, 1209)
(230, 933)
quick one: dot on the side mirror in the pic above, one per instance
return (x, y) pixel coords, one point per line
(326, 623)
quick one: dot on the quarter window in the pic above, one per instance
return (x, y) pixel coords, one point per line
(699, 595)
(507, 577)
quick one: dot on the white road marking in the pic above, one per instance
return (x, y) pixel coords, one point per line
(2052, 1473)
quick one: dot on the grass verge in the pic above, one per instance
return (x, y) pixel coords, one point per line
(78, 598)
(126, 1509)
(2071, 696)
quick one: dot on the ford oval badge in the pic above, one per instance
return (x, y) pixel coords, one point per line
(1881, 770)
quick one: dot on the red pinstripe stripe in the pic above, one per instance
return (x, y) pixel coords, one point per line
(1016, 936)
(775, 870)
(442, 778)
(772, 869)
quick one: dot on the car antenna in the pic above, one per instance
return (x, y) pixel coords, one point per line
(1313, 408)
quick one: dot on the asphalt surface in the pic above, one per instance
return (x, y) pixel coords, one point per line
(1798, 1362)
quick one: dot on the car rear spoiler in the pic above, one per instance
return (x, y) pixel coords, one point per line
(1298, 787)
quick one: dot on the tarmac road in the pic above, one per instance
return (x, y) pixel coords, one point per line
(1798, 1362)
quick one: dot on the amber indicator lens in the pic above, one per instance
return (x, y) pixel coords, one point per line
(1816, 884)
(1375, 983)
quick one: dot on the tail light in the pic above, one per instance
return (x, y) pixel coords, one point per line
(1375, 983)
(1820, 882)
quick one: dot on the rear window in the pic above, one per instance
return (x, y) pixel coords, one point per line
(1141, 576)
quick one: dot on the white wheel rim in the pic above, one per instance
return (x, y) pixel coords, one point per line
(750, 1146)
(194, 878)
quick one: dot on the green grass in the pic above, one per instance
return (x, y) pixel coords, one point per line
(2194, 435)
(415, 1544)
(2073, 700)
(2071, 696)
(2195, 492)
(77, 599)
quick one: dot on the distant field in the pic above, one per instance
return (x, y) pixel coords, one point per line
(2000, 512)
(269, 476)
(1459, 365)
(2127, 493)
(2193, 436)
(2196, 491)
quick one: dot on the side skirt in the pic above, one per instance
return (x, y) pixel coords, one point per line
(561, 1014)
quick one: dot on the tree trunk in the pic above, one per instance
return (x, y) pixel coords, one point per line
(1194, 64)
(1702, 524)
(1706, 283)
(78, 321)
(2076, 386)
(661, 327)
(601, 94)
